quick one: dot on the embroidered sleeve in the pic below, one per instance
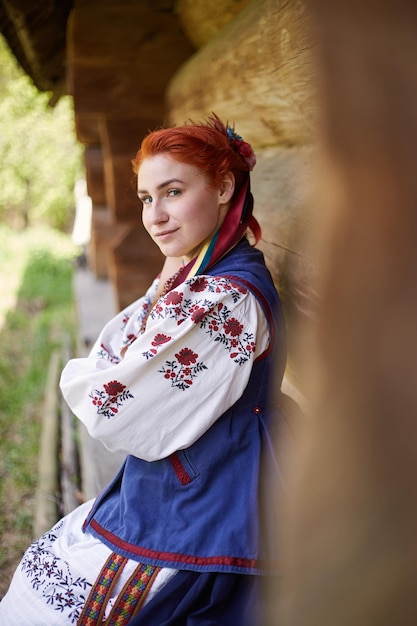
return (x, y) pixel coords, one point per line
(123, 329)
(192, 362)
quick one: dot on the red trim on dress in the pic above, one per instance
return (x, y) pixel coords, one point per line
(172, 557)
(179, 469)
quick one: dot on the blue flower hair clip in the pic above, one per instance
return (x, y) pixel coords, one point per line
(232, 134)
(242, 147)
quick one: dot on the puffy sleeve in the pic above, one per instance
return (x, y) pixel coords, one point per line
(179, 374)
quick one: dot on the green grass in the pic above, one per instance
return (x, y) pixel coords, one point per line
(36, 317)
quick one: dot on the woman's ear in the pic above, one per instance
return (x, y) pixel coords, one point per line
(227, 187)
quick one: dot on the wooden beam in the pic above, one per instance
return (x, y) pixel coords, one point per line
(202, 20)
(121, 56)
(93, 161)
(282, 185)
(134, 261)
(120, 139)
(258, 72)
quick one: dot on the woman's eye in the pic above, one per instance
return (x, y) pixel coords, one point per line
(173, 192)
(146, 199)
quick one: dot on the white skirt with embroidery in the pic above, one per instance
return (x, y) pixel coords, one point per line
(55, 576)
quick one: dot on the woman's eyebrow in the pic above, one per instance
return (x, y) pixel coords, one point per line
(164, 184)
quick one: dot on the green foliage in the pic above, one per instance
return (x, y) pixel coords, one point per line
(36, 317)
(38, 151)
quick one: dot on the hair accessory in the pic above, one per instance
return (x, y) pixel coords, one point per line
(242, 147)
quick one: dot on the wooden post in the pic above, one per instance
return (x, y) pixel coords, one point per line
(349, 527)
(47, 493)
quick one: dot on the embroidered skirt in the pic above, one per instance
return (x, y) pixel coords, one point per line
(70, 577)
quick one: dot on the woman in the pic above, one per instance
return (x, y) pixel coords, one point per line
(180, 381)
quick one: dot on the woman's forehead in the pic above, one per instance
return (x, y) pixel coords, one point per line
(154, 170)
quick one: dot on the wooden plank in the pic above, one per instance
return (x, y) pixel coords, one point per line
(120, 141)
(122, 201)
(94, 172)
(103, 230)
(70, 478)
(47, 492)
(121, 56)
(258, 73)
(86, 128)
(282, 184)
(202, 20)
(134, 261)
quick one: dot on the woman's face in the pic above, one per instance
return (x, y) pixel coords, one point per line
(181, 207)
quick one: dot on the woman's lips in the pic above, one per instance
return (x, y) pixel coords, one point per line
(164, 234)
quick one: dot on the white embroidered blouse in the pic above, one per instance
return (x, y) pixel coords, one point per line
(179, 374)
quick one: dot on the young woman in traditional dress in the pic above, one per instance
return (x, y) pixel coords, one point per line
(181, 382)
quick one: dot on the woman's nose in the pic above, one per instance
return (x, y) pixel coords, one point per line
(159, 215)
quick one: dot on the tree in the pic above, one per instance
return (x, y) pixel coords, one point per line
(40, 156)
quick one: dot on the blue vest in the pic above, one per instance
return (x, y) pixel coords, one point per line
(199, 509)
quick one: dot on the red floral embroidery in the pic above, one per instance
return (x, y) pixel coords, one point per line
(215, 318)
(111, 399)
(199, 284)
(213, 326)
(233, 327)
(186, 356)
(114, 388)
(184, 370)
(229, 332)
(197, 313)
(173, 297)
(160, 339)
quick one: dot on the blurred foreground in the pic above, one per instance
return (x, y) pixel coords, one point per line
(350, 518)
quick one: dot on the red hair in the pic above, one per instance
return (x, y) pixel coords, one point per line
(205, 146)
